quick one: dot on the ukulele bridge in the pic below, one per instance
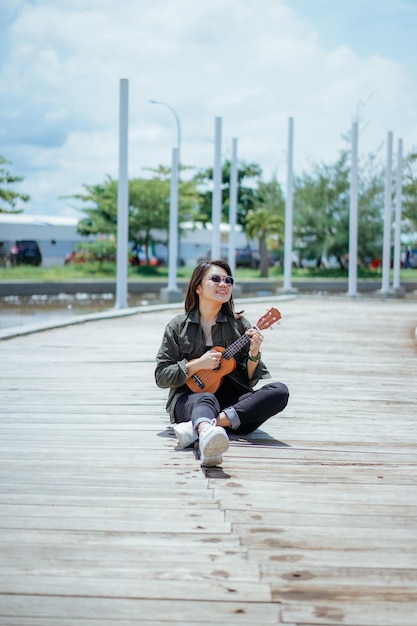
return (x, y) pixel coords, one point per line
(198, 381)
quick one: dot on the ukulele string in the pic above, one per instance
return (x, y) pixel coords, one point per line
(239, 343)
(228, 353)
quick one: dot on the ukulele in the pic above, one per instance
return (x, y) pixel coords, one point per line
(210, 380)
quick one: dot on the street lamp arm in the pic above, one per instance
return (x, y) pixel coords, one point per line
(177, 120)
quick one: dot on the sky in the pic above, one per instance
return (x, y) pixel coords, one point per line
(254, 63)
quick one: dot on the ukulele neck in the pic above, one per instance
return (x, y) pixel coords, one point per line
(236, 346)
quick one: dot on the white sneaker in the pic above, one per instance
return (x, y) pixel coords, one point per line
(213, 442)
(185, 434)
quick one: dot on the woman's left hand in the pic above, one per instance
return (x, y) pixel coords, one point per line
(256, 339)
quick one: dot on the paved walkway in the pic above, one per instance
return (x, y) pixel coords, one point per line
(103, 520)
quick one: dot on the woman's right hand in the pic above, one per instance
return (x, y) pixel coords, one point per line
(210, 360)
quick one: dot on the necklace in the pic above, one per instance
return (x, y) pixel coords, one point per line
(207, 326)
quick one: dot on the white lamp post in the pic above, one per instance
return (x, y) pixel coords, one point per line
(122, 198)
(289, 209)
(171, 293)
(386, 250)
(217, 190)
(353, 215)
(398, 207)
(233, 208)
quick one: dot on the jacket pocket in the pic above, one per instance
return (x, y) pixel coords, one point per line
(185, 345)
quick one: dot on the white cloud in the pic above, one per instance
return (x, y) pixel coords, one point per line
(253, 63)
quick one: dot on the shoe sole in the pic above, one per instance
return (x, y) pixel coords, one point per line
(213, 462)
(214, 449)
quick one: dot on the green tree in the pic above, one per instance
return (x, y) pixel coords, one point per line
(101, 212)
(370, 208)
(248, 176)
(8, 197)
(321, 210)
(409, 203)
(188, 194)
(148, 210)
(148, 207)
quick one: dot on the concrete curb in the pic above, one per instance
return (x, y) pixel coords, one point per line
(29, 329)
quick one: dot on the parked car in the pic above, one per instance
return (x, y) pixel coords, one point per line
(24, 252)
(246, 257)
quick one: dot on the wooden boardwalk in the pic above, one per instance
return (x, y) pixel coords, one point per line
(313, 520)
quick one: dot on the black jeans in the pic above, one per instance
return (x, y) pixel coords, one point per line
(253, 408)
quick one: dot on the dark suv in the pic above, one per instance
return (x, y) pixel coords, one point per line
(25, 252)
(246, 257)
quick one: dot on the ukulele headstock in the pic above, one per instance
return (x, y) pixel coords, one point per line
(270, 317)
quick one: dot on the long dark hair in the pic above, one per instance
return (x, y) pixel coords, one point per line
(192, 298)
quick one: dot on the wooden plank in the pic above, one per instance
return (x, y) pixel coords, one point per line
(118, 585)
(345, 537)
(146, 497)
(377, 582)
(114, 525)
(324, 492)
(311, 611)
(136, 611)
(185, 542)
(135, 514)
(113, 500)
(204, 566)
(232, 620)
(52, 549)
(275, 560)
(278, 518)
(323, 507)
(375, 474)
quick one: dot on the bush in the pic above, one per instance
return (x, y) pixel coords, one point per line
(98, 251)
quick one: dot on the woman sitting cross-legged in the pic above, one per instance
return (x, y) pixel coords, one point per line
(188, 351)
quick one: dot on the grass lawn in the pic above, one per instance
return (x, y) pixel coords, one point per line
(107, 270)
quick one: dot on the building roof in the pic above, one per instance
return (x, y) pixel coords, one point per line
(38, 220)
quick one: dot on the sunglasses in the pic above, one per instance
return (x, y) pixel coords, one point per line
(216, 278)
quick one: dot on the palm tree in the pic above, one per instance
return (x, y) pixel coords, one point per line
(260, 224)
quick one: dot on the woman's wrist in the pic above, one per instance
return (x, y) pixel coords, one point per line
(254, 357)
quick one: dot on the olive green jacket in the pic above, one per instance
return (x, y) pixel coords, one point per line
(184, 340)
